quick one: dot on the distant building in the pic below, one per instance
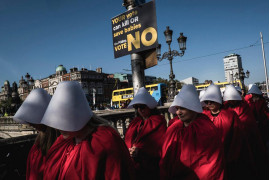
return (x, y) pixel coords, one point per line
(97, 86)
(190, 80)
(10, 95)
(126, 79)
(232, 65)
(6, 91)
(25, 86)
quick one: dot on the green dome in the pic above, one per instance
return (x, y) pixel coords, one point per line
(60, 68)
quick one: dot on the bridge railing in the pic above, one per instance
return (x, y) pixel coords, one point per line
(120, 119)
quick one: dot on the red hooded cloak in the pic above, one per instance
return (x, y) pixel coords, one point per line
(147, 136)
(102, 156)
(192, 152)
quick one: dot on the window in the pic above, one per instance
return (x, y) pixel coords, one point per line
(154, 88)
(122, 92)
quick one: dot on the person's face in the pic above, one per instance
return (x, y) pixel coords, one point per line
(65, 134)
(185, 115)
(233, 103)
(255, 97)
(212, 106)
(143, 110)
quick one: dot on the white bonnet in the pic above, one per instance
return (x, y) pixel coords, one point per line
(254, 90)
(143, 97)
(187, 98)
(33, 107)
(68, 109)
(238, 89)
(212, 93)
(231, 94)
(200, 97)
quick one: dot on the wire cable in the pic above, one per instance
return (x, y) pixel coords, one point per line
(250, 46)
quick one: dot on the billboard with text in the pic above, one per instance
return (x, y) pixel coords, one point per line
(135, 30)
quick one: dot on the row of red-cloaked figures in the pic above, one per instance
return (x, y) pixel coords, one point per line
(212, 137)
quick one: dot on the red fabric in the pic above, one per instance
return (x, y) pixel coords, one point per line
(148, 139)
(248, 97)
(172, 121)
(104, 156)
(228, 125)
(247, 120)
(35, 164)
(56, 157)
(260, 111)
(258, 157)
(192, 152)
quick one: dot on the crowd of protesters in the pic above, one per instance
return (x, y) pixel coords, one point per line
(212, 136)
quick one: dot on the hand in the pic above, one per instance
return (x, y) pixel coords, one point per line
(133, 151)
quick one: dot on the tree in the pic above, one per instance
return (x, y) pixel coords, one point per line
(178, 84)
(5, 105)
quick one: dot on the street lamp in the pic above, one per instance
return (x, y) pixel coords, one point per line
(169, 55)
(241, 76)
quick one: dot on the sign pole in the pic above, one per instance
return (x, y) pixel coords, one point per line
(138, 77)
(137, 64)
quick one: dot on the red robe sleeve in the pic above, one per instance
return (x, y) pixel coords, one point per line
(55, 157)
(148, 139)
(35, 164)
(192, 152)
(103, 156)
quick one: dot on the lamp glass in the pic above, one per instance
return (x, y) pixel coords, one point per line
(247, 73)
(182, 42)
(168, 35)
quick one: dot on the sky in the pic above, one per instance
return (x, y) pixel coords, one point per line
(38, 35)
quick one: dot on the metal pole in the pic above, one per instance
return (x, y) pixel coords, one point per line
(137, 64)
(265, 69)
(172, 76)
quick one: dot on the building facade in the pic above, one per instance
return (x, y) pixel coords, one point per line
(9, 98)
(97, 86)
(190, 80)
(232, 66)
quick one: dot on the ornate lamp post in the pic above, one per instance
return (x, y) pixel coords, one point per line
(169, 55)
(242, 75)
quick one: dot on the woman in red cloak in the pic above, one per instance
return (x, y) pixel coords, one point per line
(254, 153)
(192, 147)
(91, 148)
(144, 136)
(228, 125)
(260, 111)
(31, 112)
